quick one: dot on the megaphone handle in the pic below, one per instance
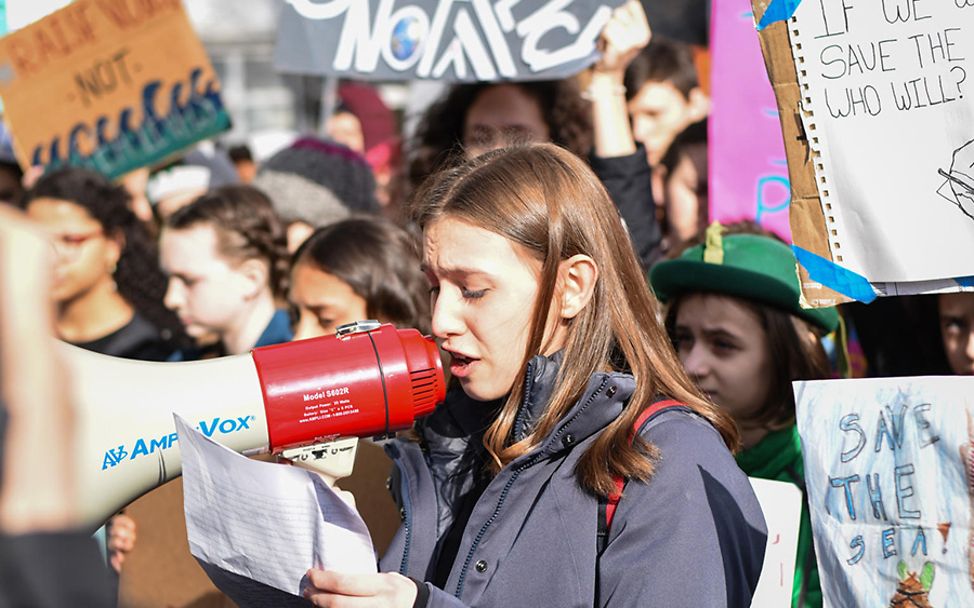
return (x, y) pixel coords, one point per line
(331, 461)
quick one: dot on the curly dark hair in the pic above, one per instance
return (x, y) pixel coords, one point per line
(380, 262)
(438, 142)
(138, 276)
(246, 226)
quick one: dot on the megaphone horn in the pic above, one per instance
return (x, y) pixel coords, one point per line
(368, 380)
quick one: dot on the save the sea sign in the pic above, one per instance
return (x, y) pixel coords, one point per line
(889, 470)
(111, 85)
(447, 40)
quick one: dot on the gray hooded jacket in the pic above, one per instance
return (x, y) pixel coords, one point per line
(694, 535)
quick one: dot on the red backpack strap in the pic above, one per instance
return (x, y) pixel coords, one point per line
(613, 500)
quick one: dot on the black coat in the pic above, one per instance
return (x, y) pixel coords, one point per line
(628, 180)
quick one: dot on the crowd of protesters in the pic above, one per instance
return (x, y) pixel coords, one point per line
(594, 188)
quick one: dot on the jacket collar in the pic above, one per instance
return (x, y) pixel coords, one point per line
(601, 402)
(459, 424)
(278, 330)
(539, 385)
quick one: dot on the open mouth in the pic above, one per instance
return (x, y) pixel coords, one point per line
(460, 365)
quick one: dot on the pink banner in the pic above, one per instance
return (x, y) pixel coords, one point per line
(748, 170)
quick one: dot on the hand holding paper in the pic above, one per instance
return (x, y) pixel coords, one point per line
(257, 527)
(387, 589)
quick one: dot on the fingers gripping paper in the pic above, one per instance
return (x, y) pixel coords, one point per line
(889, 113)
(257, 527)
(889, 470)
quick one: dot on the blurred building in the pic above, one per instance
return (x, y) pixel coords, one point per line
(239, 36)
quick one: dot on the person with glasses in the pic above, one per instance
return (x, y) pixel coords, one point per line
(108, 286)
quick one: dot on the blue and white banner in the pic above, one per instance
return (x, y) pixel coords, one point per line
(447, 40)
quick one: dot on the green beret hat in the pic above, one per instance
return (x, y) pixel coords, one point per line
(749, 266)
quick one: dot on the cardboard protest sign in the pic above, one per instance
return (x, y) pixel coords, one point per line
(880, 139)
(111, 85)
(889, 471)
(806, 212)
(447, 40)
(744, 115)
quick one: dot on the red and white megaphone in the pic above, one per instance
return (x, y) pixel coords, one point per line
(367, 380)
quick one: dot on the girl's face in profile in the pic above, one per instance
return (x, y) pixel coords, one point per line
(323, 302)
(957, 330)
(483, 289)
(205, 290)
(723, 347)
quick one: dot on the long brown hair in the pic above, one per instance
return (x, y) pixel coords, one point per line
(548, 201)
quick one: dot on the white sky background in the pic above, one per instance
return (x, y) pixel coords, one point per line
(25, 12)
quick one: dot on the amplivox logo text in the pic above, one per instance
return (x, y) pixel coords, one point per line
(143, 447)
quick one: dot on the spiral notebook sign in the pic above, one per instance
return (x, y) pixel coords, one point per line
(887, 107)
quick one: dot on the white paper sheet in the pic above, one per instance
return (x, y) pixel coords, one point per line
(895, 181)
(781, 503)
(920, 287)
(267, 523)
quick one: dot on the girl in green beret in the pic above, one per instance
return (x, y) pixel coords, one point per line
(734, 317)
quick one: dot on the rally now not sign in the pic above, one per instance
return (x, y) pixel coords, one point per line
(111, 85)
